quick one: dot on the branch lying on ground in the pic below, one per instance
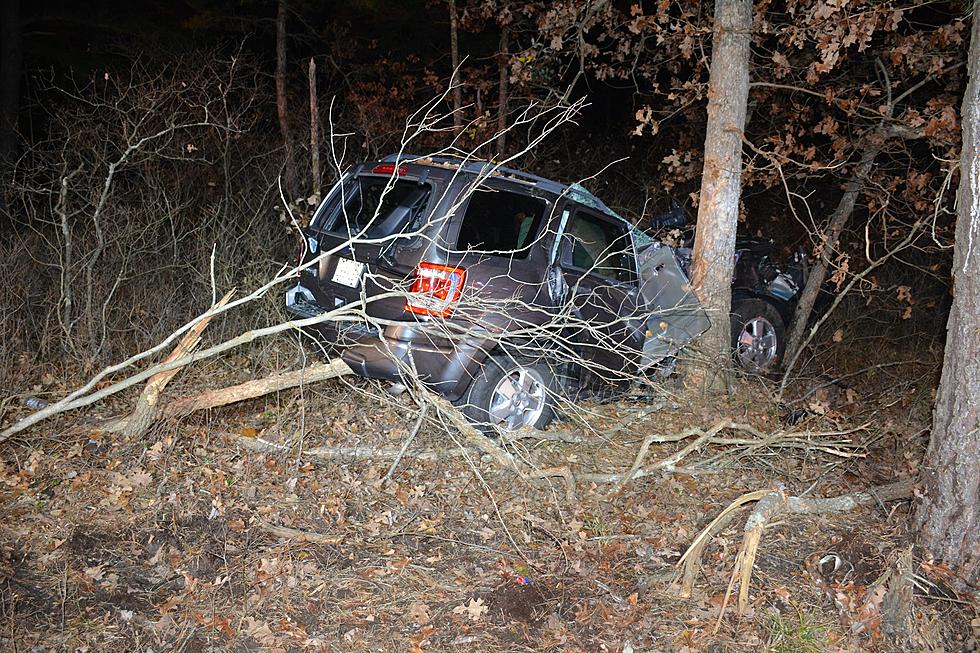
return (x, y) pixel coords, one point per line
(147, 406)
(771, 504)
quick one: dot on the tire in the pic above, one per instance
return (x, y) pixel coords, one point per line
(758, 335)
(489, 402)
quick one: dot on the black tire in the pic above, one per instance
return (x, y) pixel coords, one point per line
(758, 335)
(484, 402)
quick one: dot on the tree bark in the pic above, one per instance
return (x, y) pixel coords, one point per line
(282, 107)
(314, 130)
(714, 247)
(454, 58)
(814, 282)
(503, 65)
(10, 74)
(948, 518)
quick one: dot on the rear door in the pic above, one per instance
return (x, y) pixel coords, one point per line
(598, 261)
(368, 222)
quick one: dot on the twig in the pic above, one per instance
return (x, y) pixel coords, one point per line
(297, 534)
(408, 441)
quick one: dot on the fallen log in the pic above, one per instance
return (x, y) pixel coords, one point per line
(252, 389)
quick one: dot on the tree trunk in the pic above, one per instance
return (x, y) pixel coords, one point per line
(814, 282)
(10, 73)
(454, 58)
(314, 131)
(714, 247)
(282, 108)
(503, 64)
(949, 516)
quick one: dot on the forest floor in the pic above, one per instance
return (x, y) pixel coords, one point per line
(200, 537)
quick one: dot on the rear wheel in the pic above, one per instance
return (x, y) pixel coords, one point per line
(758, 335)
(510, 394)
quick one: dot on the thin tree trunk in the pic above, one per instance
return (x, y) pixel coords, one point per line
(282, 107)
(714, 247)
(503, 63)
(10, 73)
(454, 58)
(949, 516)
(814, 282)
(314, 130)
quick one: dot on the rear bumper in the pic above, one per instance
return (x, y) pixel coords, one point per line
(395, 352)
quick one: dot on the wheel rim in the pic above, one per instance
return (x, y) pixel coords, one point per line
(518, 399)
(757, 344)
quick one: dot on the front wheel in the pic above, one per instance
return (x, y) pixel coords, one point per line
(758, 335)
(510, 393)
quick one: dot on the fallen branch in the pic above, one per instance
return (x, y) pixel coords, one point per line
(350, 453)
(770, 505)
(257, 388)
(297, 534)
(147, 406)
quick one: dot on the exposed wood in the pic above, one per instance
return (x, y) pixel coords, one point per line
(949, 517)
(252, 389)
(147, 406)
(714, 246)
(772, 504)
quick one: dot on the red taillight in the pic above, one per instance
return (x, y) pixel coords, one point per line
(435, 290)
(389, 169)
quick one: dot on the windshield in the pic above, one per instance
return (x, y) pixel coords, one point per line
(374, 207)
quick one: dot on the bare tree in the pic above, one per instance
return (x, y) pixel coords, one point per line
(949, 516)
(454, 59)
(282, 106)
(714, 247)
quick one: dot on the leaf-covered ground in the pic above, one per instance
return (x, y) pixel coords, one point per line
(201, 537)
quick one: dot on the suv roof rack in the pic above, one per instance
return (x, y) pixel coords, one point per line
(478, 166)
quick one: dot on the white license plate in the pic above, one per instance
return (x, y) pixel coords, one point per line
(348, 272)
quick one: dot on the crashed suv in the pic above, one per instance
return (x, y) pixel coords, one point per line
(500, 290)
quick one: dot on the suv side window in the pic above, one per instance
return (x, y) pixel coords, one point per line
(599, 246)
(500, 222)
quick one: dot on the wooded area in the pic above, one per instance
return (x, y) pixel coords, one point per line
(183, 467)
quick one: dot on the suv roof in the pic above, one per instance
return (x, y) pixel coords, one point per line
(576, 192)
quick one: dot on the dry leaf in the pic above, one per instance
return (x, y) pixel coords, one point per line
(249, 432)
(475, 609)
(418, 613)
(838, 335)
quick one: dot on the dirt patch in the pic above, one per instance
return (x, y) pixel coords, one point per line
(519, 602)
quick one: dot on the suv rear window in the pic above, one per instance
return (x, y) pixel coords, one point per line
(362, 204)
(500, 223)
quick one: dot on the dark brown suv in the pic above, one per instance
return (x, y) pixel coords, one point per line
(500, 290)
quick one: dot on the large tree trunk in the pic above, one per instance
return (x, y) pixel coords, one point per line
(814, 282)
(949, 516)
(454, 58)
(10, 73)
(282, 108)
(714, 246)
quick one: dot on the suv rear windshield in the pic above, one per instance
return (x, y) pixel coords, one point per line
(500, 223)
(362, 205)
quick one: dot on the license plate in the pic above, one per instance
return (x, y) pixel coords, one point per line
(348, 272)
